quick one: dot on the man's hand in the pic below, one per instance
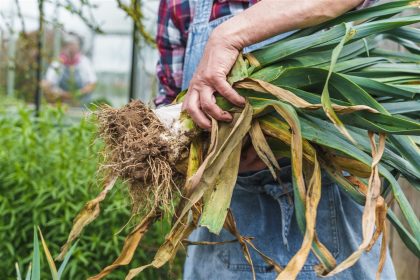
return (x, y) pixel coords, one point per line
(209, 78)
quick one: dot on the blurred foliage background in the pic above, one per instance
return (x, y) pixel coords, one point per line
(48, 171)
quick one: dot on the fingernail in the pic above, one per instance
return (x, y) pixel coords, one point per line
(227, 116)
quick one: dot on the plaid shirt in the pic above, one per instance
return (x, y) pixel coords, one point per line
(174, 19)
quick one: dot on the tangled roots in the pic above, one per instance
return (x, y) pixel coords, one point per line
(139, 149)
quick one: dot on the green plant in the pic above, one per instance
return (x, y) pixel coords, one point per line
(47, 172)
(34, 270)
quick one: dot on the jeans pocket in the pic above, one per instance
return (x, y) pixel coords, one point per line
(233, 259)
(262, 220)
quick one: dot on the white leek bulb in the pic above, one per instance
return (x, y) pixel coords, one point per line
(174, 119)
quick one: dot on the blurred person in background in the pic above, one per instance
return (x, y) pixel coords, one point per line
(71, 78)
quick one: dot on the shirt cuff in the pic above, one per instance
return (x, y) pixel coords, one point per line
(164, 97)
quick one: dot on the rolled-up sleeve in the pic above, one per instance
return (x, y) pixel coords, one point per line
(172, 34)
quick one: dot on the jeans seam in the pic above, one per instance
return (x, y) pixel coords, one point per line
(333, 219)
(247, 267)
(225, 257)
(289, 215)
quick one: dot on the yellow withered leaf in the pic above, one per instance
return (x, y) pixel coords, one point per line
(50, 260)
(263, 149)
(291, 98)
(312, 199)
(172, 242)
(88, 214)
(369, 212)
(355, 167)
(130, 245)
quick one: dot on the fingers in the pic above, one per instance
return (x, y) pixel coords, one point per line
(208, 105)
(192, 106)
(225, 89)
(201, 103)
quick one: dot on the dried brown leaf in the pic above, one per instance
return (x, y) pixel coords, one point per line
(263, 149)
(173, 240)
(312, 199)
(291, 98)
(369, 213)
(220, 151)
(88, 214)
(130, 245)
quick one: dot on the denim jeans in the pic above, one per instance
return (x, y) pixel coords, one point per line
(263, 209)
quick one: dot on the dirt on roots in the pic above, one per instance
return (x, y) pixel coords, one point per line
(139, 149)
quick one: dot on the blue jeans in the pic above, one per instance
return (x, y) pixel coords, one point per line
(263, 209)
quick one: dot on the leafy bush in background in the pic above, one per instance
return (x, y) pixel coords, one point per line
(34, 269)
(47, 172)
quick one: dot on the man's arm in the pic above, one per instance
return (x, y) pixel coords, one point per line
(271, 17)
(259, 22)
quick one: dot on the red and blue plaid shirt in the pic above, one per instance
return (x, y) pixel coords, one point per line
(174, 19)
